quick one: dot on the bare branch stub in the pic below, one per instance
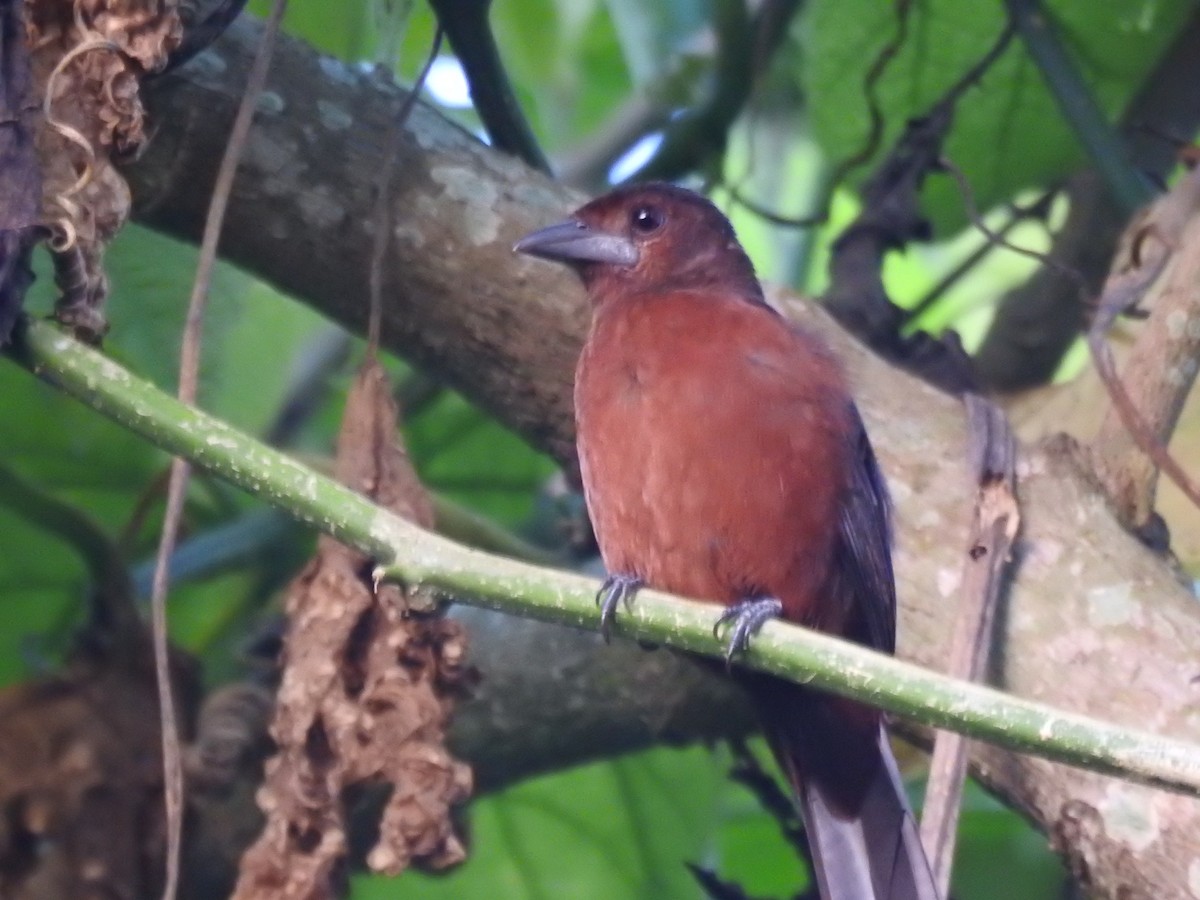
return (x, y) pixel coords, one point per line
(1155, 274)
(994, 527)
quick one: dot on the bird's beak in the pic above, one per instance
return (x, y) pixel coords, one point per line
(574, 242)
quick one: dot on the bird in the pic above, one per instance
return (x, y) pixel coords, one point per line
(723, 459)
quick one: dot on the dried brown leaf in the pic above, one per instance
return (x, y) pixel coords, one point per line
(366, 696)
(81, 780)
(88, 57)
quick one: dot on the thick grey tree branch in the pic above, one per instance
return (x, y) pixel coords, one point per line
(299, 217)
(1092, 623)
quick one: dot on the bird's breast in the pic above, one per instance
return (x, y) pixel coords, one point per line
(711, 467)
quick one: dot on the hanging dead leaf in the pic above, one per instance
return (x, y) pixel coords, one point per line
(366, 695)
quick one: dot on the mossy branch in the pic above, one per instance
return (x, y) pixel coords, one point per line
(421, 559)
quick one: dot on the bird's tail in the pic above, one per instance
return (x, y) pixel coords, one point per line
(835, 753)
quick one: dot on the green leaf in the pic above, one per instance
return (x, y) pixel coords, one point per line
(460, 452)
(749, 849)
(565, 63)
(342, 29)
(989, 832)
(651, 33)
(1008, 134)
(85, 460)
(41, 586)
(622, 828)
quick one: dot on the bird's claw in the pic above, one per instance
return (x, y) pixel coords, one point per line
(617, 589)
(747, 616)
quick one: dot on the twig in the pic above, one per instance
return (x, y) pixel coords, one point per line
(112, 609)
(868, 148)
(994, 526)
(875, 131)
(778, 805)
(420, 558)
(744, 48)
(996, 237)
(466, 25)
(198, 36)
(1164, 362)
(776, 218)
(1039, 209)
(189, 372)
(382, 216)
(875, 73)
(891, 218)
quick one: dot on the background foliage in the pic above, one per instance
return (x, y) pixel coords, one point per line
(622, 827)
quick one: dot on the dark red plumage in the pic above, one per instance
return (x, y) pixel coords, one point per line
(723, 459)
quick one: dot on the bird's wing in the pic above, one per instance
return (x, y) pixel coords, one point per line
(864, 564)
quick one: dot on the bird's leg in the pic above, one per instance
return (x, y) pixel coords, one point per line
(617, 589)
(747, 617)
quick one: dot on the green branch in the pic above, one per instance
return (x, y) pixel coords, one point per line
(421, 559)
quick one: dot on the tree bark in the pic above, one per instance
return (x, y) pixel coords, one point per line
(300, 217)
(1092, 621)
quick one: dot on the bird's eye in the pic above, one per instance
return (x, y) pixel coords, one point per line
(646, 219)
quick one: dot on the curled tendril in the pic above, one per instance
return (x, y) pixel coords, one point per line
(64, 231)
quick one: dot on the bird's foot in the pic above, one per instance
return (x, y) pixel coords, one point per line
(617, 589)
(747, 617)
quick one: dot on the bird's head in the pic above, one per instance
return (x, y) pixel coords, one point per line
(648, 237)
